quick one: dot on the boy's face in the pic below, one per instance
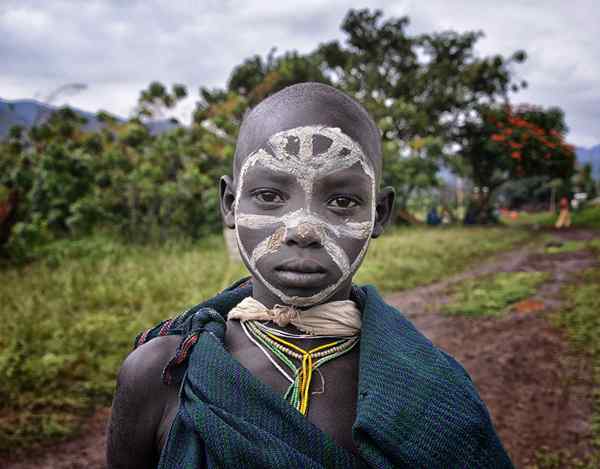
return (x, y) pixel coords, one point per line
(304, 212)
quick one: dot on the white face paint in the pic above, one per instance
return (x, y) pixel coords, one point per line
(292, 153)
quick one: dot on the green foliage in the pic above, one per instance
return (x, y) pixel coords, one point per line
(519, 142)
(531, 191)
(69, 321)
(587, 217)
(418, 88)
(421, 82)
(489, 296)
(503, 143)
(584, 181)
(124, 179)
(156, 99)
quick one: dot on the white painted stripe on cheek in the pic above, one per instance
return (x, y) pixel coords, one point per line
(338, 255)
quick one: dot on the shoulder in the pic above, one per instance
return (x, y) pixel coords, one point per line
(146, 362)
(139, 382)
(139, 403)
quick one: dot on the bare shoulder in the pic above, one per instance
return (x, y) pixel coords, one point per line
(139, 404)
(145, 363)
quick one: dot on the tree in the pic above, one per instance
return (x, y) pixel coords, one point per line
(250, 82)
(157, 99)
(584, 181)
(506, 143)
(424, 84)
(420, 89)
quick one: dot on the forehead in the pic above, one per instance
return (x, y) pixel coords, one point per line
(308, 153)
(352, 180)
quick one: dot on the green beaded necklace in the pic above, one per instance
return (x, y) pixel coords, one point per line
(297, 393)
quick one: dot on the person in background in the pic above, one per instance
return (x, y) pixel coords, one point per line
(564, 216)
(433, 219)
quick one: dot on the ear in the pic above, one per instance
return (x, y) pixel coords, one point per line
(227, 199)
(383, 210)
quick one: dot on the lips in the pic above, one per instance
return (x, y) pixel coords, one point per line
(300, 273)
(302, 266)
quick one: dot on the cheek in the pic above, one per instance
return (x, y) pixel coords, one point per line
(352, 247)
(250, 238)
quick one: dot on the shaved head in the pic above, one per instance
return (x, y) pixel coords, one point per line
(308, 104)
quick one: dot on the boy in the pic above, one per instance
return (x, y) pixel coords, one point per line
(297, 367)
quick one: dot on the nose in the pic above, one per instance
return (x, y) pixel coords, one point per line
(304, 235)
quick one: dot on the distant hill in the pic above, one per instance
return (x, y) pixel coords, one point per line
(25, 112)
(590, 155)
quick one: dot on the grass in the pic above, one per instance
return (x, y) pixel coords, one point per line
(544, 218)
(70, 318)
(491, 295)
(580, 318)
(566, 246)
(562, 459)
(417, 256)
(588, 217)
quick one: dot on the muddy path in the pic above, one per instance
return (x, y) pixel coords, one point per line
(539, 393)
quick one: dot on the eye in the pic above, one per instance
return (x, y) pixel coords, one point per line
(342, 201)
(268, 197)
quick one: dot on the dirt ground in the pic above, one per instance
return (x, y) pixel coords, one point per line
(539, 393)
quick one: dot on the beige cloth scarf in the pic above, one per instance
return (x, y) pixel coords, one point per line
(336, 318)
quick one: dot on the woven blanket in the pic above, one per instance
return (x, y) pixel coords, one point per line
(416, 408)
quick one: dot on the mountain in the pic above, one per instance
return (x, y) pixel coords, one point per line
(25, 112)
(590, 155)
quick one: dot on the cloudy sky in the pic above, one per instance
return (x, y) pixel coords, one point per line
(117, 47)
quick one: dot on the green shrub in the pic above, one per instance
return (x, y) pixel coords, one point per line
(69, 320)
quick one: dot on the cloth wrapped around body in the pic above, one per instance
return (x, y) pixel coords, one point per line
(416, 405)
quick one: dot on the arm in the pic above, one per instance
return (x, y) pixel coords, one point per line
(138, 406)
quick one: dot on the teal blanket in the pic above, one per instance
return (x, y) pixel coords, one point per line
(416, 408)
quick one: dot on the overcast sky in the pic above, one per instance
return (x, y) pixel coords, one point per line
(117, 47)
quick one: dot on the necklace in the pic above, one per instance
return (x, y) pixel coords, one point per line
(298, 392)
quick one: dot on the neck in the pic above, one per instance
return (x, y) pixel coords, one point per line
(269, 299)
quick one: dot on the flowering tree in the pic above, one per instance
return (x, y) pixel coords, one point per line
(507, 143)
